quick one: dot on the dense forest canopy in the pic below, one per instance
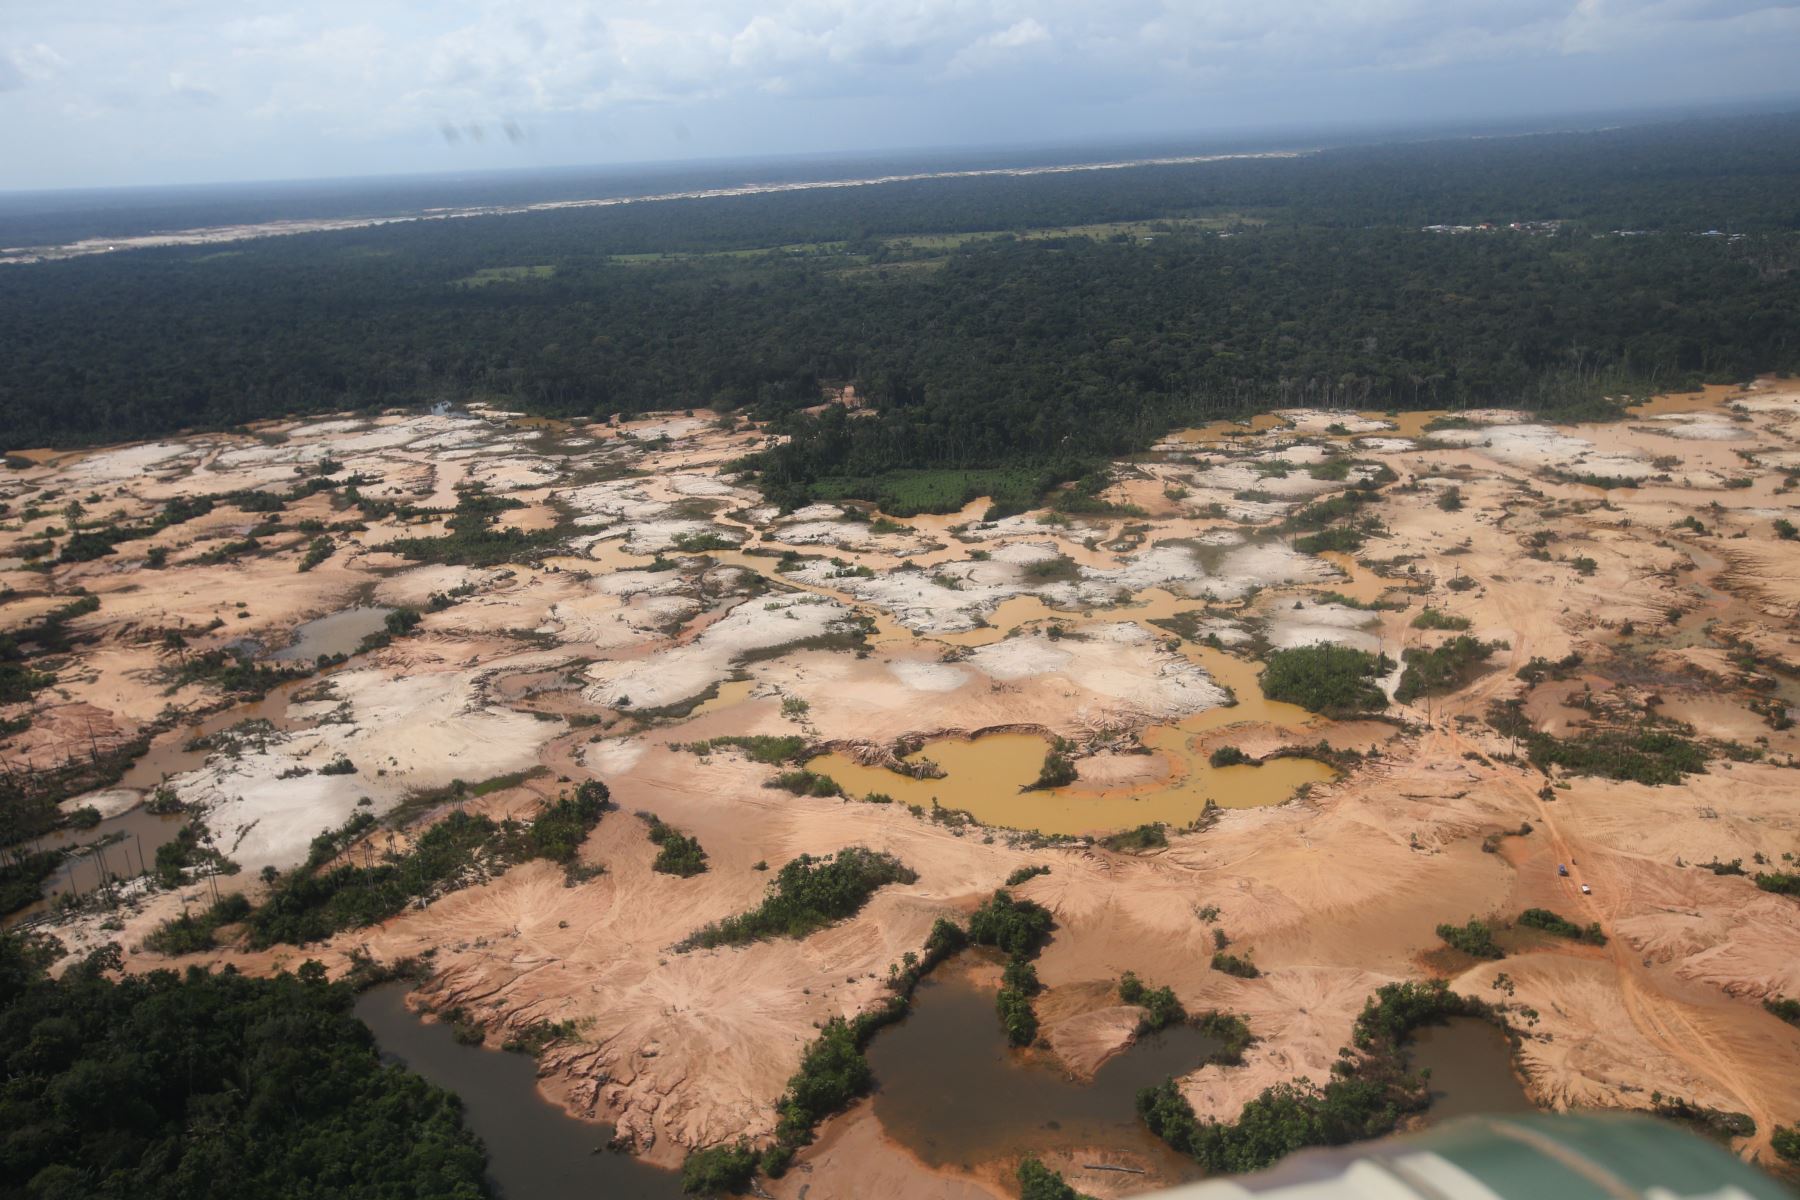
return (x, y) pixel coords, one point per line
(210, 1085)
(1243, 284)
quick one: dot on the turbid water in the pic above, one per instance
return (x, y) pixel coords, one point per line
(949, 1088)
(984, 776)
(336, 633)
(1471, 1069)
(535, 1150)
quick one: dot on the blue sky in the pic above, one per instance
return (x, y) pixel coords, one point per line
(108, 92)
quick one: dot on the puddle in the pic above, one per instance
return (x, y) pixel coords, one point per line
(1360, 583)
(1471, 1069)
(136, 834)
(338, 633)
(733, 691)
(1710, 396)
(1219, 431)
(535, 1150)
(949, 1088)
(984, 775)
(133, 838)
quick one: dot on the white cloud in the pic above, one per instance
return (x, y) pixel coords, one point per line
(342, 73)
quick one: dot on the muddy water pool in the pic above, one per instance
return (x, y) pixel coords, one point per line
(535, 1150)
(333, 634)
(1471, 1069)
(949, 1088)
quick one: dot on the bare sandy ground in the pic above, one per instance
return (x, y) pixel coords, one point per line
(1332, 893)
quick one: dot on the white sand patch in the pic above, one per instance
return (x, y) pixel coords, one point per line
(1007, 527)
(917, 601)
(614, 756)
(1701, 427)
(1309, 623)
(928, 676)
(685, 671)
(1384, 445)
(651, 537)
(630, 583)
(820, 533)
(127, 463)
(510, 473)
(109, 803)
(1118, 661)
(677, 428)
(424, 730)
(1240, 477)
(1538, 447)
(815, 512)
(1023, 554)
(599, 620)
(689, 484)
(1321, 420)
(1018, 658)
(414, 587)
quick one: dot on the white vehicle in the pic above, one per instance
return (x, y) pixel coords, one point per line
(1586, 890)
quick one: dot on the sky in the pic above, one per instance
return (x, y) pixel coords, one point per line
(125, 92)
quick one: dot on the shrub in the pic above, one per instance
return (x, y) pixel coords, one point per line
(1549, 922)
(1023, 874)
(1058, 771)
(1231, 964)
(1013, 1002)
(1017, 927)
(1475, 938)
(679, 854)
(1038, 1182)
(718, 1169)
(1229, 756)
(806, 783)
(772, 751)
(807, 894)
(1784, 1009)
(1782, 883)
(1162, 1009)
(1432, 618)
(1131, 841)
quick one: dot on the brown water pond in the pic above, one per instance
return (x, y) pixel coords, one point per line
(535, 1150)
(950, 1089)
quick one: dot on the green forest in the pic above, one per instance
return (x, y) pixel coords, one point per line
(182, 1087)
(1000, 322)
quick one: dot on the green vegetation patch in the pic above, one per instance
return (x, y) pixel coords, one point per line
(310, 904)
(1136, 841)
(773, 751)
(677, 854)
(1332, 680)
(808, 893)
(492, 275)
(1432, 618)
(1439, 669)
(1161, 1007)
(909, 493)
(22, 877)
(1550, 922)
(1647, 756)
(474, 538)
(1476, 938)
